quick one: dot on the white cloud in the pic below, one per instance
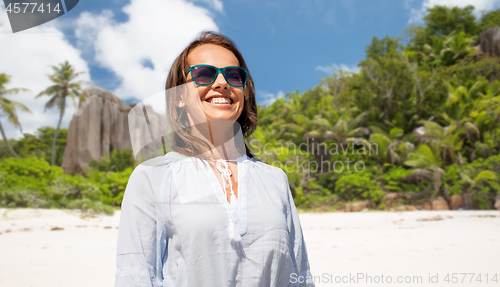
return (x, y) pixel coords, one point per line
(26, 56)
(334, 67)
(86, 28)
(416, 15)
(215, 4)
(156, 31)
(267, 98)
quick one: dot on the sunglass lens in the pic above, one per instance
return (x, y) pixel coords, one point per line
(236, 76)
(203, 75)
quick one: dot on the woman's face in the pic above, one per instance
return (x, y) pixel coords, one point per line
(217, 56)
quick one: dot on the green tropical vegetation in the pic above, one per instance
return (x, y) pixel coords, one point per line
(32, 182)
(37, 145)
(8, 108)
(420, 119)
(64, 87)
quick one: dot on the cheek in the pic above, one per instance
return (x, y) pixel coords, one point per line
(202, 91)
(240, 94)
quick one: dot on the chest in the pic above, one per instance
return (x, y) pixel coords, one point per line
(229, 181)
(197, 204)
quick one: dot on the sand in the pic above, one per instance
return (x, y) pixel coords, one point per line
(62, 248)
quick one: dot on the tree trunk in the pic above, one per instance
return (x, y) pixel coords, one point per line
(468, 199)
(52, 160)
(446, 195)
(7, 142)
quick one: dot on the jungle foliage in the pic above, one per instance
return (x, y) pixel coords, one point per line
(420, 119)
(32, 182)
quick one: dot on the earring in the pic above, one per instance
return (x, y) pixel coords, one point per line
(180, 115)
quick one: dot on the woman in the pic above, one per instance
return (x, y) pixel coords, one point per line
(208, 213)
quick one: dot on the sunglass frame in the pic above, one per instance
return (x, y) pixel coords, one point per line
(217, 71)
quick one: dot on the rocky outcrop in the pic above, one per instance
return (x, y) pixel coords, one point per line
(357, 206)
(439, 203)
(489, 42)
(99, 126)
(456, 201)
(391, 196)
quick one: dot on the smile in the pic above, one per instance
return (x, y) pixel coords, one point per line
(220, 102)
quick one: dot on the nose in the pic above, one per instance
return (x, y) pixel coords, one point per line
(220, 82)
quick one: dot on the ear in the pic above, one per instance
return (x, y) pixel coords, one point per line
(180, 104)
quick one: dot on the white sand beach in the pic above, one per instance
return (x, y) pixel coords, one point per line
(50, 248)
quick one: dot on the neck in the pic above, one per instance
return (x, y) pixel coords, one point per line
(219, 134)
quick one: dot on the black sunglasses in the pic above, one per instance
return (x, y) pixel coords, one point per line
(205, 75)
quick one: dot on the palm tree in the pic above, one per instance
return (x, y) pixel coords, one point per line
(449, 49)
(427, 163)
(8, 108)
(261, 137)
(293, 106)
(64, 86)
(435, 53)
(486, 110)
(474, 180)
(460, 97)
(448, 139)
(390, 148)
(459, 46)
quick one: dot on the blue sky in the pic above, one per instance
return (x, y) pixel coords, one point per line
(127, 46)
(285, 42)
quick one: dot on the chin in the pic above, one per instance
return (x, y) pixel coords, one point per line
(229, 118)
(222, 114)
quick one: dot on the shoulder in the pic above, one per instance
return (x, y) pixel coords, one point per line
(267, 167)
(275, 174)
(155, 165)
(159, 164)
(149, 177)
(155, 169)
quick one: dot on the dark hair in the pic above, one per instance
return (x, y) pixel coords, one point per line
(183, 141)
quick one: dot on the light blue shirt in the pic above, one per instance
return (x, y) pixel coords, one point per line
(175, 222)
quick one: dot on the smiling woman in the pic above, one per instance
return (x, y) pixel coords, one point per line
(208, 213)
(221, 99)
(216, 51)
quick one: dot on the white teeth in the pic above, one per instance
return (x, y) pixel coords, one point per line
(220, 101)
